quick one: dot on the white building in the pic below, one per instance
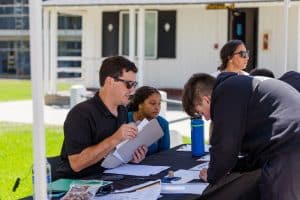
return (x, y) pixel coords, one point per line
(180, 37)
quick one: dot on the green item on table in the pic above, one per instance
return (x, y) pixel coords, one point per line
(63, 185)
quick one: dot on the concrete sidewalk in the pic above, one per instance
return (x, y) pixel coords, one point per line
(21, 112)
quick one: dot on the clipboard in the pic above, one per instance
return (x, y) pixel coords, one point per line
(147, 136)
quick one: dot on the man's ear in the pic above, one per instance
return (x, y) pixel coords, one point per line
(108, 80)
(207, 99)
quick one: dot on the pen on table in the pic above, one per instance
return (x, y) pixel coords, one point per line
(148, 185)
(139, 188)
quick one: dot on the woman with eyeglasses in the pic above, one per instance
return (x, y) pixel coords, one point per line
(234, 57)
(145, 103)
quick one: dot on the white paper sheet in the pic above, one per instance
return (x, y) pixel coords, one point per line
(151, 132)
(188, 147)
(185, 188)
(204, 158)
(186, 175)
(200, 166)
(137, 170)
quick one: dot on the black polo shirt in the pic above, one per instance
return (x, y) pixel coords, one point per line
(87, 124)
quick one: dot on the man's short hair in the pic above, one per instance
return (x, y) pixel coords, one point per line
(262, 72)
(114, 67)
(196, 87)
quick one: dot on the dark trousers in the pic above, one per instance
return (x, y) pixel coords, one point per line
(281, 177)
(235, 186)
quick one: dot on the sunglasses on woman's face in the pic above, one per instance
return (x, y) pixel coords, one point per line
(243, 54)
(128, 84)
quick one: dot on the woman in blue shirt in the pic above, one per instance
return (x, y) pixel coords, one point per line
(145, 103)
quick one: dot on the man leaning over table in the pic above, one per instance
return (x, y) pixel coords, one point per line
(94, 127)
(257, 118)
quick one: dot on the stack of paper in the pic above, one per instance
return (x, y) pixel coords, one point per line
(137, 170)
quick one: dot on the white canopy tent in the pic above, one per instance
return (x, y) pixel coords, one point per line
(36, 49)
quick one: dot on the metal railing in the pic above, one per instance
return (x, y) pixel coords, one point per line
(84, 95)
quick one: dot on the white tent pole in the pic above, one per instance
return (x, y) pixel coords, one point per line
(141, 45)
(53, 51)
(36, 62)
(285, 33)
(132, 26)
(46, 39)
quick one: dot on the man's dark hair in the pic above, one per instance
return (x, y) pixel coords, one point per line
(227, 51)
(196, 87)
(114, 67)
(140, 95)
(262, 72)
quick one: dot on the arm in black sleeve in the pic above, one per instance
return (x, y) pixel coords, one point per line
(77, 131)
(229, 111)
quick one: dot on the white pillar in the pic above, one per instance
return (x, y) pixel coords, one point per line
(53, 52)
(86, 47)
(36, 62)
(46, 54)
(163, 104)
(141, 45)
(132, 22)
(285, 33)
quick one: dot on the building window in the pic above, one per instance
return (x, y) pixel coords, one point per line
(150, 34)
(67, 22)
(69, 46)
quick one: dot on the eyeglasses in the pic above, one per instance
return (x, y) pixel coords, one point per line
(243, 54)
(129, 84)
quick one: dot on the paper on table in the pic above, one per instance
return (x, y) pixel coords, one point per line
(185, 188)
(188, 147)
(200, 166)
(186, 175)
(150, 193)
(204, 158)
(137, 170)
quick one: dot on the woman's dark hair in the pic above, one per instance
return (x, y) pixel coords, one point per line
(226, 52)
(140, 95)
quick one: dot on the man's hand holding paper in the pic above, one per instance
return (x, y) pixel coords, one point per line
(139, 154)
(134, 149)
(126, 131)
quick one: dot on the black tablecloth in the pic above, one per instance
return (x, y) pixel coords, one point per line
(234, 186)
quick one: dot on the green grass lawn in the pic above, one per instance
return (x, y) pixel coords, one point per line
(15, 89)
(16, 156)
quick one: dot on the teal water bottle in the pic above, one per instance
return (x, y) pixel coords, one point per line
(197, 136)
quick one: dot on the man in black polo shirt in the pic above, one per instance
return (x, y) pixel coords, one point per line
(255, 117)
(93, 128)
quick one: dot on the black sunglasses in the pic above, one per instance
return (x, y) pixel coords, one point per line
(243, 54)
(129, 84)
